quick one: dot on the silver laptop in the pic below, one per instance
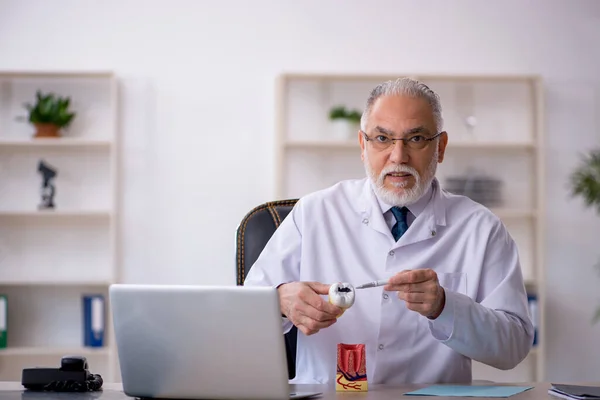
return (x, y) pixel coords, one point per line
(200, 342)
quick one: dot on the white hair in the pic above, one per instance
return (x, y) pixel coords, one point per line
(405, 87)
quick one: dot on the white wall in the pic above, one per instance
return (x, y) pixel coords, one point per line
(198, 113)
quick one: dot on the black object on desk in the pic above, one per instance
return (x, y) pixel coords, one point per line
(72, 376)
(575, 392)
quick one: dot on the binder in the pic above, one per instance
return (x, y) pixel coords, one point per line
(3, 320)
(93, 320)
(533, 312)
(575, 392)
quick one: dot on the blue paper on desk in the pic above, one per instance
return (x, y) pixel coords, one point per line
(469, 391)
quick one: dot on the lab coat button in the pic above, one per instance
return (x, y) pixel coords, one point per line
(432, 233)
(365, 221)
(391, 253)
(380, 347)
(385, 296)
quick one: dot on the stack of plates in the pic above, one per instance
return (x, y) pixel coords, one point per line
(484, 190)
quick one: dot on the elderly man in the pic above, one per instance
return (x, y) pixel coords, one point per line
(455, 291)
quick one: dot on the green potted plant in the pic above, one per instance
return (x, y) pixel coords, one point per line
(585, 183)
(49, 114)
(344, 122)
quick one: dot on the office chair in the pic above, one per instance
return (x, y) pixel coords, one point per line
(253, 233)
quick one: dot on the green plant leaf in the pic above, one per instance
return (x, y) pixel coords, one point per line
(585, 180)
(51, 109)
(337, 112)
(354, 116)
(585, 183)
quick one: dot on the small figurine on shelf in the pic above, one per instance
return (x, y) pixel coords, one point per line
(49, 114)
(470, 123)
(48, 191)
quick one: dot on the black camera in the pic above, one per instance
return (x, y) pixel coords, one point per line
(72, 376)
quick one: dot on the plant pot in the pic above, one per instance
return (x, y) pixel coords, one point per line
(47, 131)
(342, 129)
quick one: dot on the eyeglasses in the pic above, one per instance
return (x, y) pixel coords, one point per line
(383, 142)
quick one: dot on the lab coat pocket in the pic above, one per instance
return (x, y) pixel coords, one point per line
(453, 281)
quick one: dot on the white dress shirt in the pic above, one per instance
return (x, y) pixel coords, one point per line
(340, 234)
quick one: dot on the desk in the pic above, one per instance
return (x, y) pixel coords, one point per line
(14, 391)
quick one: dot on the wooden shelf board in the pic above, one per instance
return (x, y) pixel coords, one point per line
(490, 146)
(513, 213)
(54, 142)
(4, 282)
(392, 76)
(531, 284)
(534, 351)
(59, 351)
(353, 144)
(56, 74)
(55, 214)
(324, 144)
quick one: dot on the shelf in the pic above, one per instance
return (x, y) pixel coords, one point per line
(324, 144)
(51, 351)
(505, 144)
(332, 77)
(508, 213)
(51, 258)
(48, 282)
(55, 214)
(532, 285)
(509, 146)
(534, 351)
(54, 143)
(353, 144)
(57, 74)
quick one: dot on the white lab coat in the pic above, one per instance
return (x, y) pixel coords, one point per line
(340, 235)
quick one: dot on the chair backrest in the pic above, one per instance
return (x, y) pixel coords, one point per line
(253, 233)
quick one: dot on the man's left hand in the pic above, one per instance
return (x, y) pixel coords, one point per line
(421, 291)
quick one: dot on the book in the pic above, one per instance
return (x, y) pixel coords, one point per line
(534, 313)
(578, 392)
(3, 321)
(469, 391)
(93, 320)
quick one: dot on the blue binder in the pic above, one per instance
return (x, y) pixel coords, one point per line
(93, 320)
(534, 313)
(3, 320)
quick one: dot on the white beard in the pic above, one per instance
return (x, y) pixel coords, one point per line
(403, 196)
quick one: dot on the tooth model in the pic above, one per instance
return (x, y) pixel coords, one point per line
(351, 373)
(341, 295)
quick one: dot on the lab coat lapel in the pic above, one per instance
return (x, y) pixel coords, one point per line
(371, 213)
(426, 225)
(422, 228)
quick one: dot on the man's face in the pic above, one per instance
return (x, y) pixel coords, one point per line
(401, 172)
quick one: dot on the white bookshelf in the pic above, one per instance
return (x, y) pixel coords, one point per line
(49, 259)
(506, 143)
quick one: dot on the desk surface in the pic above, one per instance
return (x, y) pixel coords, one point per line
(14, 391)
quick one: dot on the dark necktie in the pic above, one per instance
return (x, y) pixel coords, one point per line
(401, 224)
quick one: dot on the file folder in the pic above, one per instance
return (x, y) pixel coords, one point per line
(3, 320)
(575, 392)
(533, 312)
(93, 320)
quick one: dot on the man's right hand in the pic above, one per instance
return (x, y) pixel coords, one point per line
(302, 304)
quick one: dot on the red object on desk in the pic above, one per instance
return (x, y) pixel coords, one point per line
(351, 373)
